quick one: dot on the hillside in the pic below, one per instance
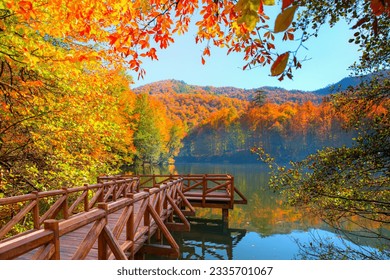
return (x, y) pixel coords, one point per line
(347, 82)
(273, 94)
(222, 124)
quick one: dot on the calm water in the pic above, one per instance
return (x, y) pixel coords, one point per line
(262, 229)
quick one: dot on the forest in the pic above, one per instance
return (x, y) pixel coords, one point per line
(223, 124)
(68, 112)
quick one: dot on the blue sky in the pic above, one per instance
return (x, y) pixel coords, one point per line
(330, 56)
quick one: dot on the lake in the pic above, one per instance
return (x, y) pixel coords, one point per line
(265, 228)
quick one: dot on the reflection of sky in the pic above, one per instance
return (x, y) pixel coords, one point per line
(275, 247)
(280, 246)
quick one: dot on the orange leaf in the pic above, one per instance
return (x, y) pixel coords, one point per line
(284, 19)
(203, 61)
(25, 5)
(113, 38)
(280, 64)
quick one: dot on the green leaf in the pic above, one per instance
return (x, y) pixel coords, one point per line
(284, 19)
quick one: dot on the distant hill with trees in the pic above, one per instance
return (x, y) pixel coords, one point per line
(222, 124)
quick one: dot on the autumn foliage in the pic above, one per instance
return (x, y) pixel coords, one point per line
(67, 113)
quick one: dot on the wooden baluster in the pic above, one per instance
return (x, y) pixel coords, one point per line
(114, 190)
(86, 198)
(147, 216)
(204, 189)
(101, 195)
(231, 192)
(130, 230)
(35, 211)
(102, 243)
(65, 206)
(53, 226)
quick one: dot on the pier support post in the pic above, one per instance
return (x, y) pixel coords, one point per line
(225, 217)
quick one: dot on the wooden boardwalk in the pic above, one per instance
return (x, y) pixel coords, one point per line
(118, 218)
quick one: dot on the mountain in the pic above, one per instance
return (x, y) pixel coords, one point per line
(273, 94)
(350, 82)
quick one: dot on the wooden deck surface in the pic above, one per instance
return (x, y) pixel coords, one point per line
(117, 218)
(69, 242)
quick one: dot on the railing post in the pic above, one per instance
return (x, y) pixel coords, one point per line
(101, 196)
(147, 215)
(130, 231)
(86, 198)
(102, 243)
(36, 211)
(53, 226)
(231, 191)
(114, 191)
(65, 206)
(204, 190)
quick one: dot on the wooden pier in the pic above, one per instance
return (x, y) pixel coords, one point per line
(120, 217)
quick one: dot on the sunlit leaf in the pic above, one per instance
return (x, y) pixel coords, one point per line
(269, 2)
(284, 19)
(280, 64)
(248, 10)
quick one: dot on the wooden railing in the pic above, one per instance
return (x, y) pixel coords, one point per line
(31, 210)
(139, 216)
(204, 188)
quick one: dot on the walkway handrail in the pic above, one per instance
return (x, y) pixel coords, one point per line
(201, 186)
(33, 209)
(156, 206)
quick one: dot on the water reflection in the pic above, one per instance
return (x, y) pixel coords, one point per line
(209, 239)
(265, 228)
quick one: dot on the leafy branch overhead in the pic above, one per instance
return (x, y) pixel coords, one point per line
(127, 32)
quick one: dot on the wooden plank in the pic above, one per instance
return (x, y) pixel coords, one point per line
(122, 221)
(89, 240)
(45, 253)
(80, 220)
(76, 202)
(53, 210)
(163, 228)
(95, 198)
(16, 219)
(10, 249)
(53, 225)
(179, 213)
(177, 226)
(16, 199)
(113, 244)
(157, 249)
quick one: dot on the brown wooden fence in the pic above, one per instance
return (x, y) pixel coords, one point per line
(115, 221)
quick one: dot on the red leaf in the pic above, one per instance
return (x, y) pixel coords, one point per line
(280, 64)
(25, 6)
(286, 3)
(203, 61)
(377, 7)
(113, 38)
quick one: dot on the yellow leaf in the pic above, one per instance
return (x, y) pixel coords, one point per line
(280, 64)
(248, 10)
(269, 2)
(284, 19)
